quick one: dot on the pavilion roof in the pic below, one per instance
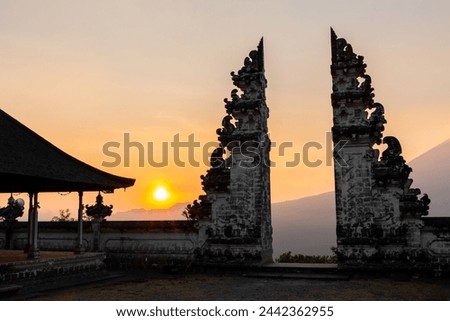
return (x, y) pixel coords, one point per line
(29, 163)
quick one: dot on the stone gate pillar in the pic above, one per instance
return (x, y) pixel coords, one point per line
(378, 215)
(235, 213)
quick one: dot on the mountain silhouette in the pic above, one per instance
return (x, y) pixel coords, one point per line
(431, 173)
(142, 214)
(307, 225)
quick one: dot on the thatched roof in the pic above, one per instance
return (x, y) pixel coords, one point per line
(29, 163)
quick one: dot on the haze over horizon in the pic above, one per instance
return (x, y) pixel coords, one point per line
(82, 74)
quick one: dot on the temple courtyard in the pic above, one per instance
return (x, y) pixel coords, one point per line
(156, 286)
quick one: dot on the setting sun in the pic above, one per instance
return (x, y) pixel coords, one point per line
(161, 194)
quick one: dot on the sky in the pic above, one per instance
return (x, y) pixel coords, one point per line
(83, 74)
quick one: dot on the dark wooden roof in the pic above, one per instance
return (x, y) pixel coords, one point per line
(29, 163)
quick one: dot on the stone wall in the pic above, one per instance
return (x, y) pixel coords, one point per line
(435, 238)
(126, 243)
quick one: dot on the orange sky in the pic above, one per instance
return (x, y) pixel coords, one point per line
(82, 74)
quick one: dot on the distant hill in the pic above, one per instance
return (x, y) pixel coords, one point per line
(431, 173)
(305, 226)
(296, 224)
(141, 214)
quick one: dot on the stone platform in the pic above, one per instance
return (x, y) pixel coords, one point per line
(51, 270)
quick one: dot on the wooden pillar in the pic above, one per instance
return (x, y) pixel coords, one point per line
(30, 223)
(79, 247)
(33, 252)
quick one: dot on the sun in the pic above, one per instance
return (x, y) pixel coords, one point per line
(161, 194)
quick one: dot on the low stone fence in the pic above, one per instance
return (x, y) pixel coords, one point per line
(126, 243)
(435, 238)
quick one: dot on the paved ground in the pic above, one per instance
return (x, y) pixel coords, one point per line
(198, 287)
(154, 285)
